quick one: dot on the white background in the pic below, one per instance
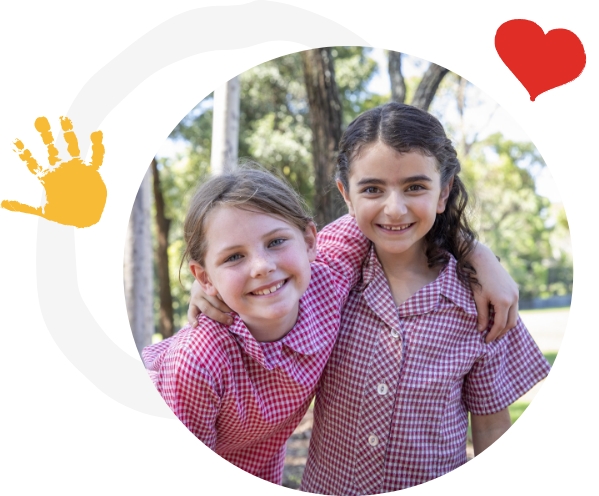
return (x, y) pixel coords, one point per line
(59, 433)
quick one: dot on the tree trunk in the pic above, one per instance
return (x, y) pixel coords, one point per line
(325, 122)
(225, 127)
(138, 268)
(163, 224)
(428, 86)
(398, 84)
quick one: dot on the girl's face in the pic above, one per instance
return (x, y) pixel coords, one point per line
(395, 198)
(259, 265)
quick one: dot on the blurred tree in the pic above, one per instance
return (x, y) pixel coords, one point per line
(225, 127)
(398, 83)
(325, 122)
(137, 268)
(275, 130)
(163, 224)
(510, 217)
(427, 87)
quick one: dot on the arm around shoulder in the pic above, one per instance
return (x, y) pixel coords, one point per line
(345, 247)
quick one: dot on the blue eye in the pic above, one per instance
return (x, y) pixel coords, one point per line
(233, 258)
(276, 242)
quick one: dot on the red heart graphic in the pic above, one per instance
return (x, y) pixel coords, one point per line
(540, 61)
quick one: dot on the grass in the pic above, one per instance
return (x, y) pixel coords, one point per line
(545, 310)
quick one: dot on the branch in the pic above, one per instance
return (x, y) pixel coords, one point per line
(428, 86)
(398, 84)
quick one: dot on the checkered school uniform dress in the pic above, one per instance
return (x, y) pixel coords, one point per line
(243, 398)
(392, 406)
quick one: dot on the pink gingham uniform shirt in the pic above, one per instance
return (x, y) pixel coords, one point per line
(243, 398)
(392, 406)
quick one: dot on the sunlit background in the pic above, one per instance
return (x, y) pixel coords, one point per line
(517, 209)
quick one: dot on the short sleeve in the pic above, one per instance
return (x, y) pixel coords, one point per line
(507, 369)
(186, 386)
(343, 247)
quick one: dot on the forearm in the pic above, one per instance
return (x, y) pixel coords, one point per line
(482, 256)
(486, 429)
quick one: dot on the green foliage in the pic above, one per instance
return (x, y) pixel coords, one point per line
(274, 129)
(512, 219)
(353, 71)
(530, 235)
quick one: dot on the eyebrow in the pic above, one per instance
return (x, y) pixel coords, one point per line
(411, 179)
(267, 235)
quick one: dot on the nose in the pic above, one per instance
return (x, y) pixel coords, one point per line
(395, 205)
(262, 264)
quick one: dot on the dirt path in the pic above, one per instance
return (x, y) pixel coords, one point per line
(297, 451)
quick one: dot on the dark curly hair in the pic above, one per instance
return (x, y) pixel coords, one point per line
(405, 129)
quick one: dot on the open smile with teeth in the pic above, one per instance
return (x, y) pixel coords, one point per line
(269, 290)
(401, 227)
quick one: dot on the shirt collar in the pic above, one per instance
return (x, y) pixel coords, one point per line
(304, 338)
(378, 295)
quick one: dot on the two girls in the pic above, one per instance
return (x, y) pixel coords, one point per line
(392, 406)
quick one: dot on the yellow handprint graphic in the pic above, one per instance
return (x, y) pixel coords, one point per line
(75, 191)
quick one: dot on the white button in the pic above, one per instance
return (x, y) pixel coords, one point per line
(373, 440)
(394, 333)
(382, 389)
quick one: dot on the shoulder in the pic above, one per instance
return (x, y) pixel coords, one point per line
(343, 226)
(325, 282)
(454, 289)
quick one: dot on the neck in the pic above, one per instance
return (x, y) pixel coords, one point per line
(407, 272)
(270, 330)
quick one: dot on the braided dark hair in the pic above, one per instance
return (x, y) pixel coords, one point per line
(405, 129)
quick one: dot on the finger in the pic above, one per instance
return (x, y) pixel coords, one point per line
(70, 137)
(217, 315)
(215, 308)
(16, 206)
(219, 304)
(43, 127)
(25, 156)
(512, 319)
(499, 320)
(97, 149)
(192, 315)
(483, 317)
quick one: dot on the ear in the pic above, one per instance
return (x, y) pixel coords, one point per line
(345, 195)
(202, 277)
(310, 239)
(444, 196)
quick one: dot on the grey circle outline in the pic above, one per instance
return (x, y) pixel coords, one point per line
(79, 336)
